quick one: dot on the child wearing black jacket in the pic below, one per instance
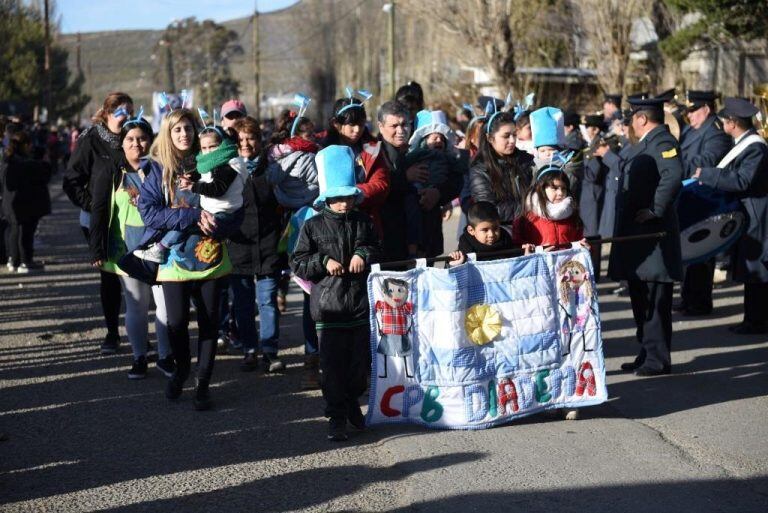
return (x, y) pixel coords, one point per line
(484, 235)
(332, 251)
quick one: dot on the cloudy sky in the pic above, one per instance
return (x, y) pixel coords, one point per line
(90, 15)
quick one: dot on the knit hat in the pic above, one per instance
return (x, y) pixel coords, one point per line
(430, 122)
(547, 127)
(336, 174)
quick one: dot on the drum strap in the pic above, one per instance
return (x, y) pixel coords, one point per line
(736, 150)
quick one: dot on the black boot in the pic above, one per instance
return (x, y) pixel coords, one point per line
(202, 399)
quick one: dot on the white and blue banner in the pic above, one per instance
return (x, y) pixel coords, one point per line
(484, 343)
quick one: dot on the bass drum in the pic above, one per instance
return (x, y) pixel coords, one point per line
(710, 221)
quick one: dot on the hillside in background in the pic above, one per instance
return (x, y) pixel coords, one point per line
(125, 61)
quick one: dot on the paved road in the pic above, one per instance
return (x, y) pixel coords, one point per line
(81, 437)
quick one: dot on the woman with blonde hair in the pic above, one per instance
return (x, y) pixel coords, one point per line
(194, 267)
(100, 142)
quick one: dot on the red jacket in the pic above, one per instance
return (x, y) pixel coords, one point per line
(376, 185)
(541, 231)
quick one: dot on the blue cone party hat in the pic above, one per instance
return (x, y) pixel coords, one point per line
(336, 174)
(429, 122)
(547, 127)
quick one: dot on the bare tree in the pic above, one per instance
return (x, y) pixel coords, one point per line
(607, 25)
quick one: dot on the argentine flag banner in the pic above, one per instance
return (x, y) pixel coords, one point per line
(484, 343)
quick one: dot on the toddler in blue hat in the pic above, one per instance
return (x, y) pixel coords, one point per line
(333, 251)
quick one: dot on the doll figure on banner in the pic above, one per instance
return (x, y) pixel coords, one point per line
(394, 322)
(575, 291)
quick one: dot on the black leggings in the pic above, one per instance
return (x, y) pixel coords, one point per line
(177, 297)
(20, 241)
(111, 294)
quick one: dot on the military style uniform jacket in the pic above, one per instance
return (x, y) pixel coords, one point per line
(747, 177)
(651, 179)
(703, 147)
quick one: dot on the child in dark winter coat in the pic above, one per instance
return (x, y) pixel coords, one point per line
(219, 180)
(484, 235)
(333, 250)
(292, 171)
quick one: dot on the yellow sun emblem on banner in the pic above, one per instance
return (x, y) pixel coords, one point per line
(207, 250)
(482, 323)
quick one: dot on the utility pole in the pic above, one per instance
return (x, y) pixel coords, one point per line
(209, 72)
(256, 61)
(47, 65)
(390, 9)
(79, 67)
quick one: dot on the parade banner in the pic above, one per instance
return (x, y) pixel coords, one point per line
(484, 343)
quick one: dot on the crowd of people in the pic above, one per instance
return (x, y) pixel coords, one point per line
(210, 218)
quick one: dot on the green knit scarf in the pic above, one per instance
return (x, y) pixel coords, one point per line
(218, 157)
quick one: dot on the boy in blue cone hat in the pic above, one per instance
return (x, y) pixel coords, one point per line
(333, 251)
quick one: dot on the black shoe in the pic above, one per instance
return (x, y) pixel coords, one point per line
(202, 400)
(272, 363)
(630, 366)
(356, 417)
(139, 369)
(337, 430)
(111, 344)
(151, 352)
(173, 388)
(694, 311)
(648, 371)
(250, 363)
(748, 328)
(166, 365)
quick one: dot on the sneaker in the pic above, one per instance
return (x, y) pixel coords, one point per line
(151, 352)
(222, 341)
(173, 388)
(11, 268)
(310, 376)
(22, 269)
(570, 413)
(166, 365)
(355, 417)
(337, 430)
(250, 362)
(139, 369)
(272, 363)
(111, 344)
(155, 253)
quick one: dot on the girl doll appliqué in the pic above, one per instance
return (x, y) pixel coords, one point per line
(575, 301)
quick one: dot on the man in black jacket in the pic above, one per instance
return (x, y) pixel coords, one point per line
(651, 178)
(702, 144)
(744, 171)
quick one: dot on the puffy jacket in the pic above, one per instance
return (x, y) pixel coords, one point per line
(253, 248)
(336, 299)
(375, 187)
(540, 231)
(293, 176)
(24, 189)
(514, 189)
(91, 148)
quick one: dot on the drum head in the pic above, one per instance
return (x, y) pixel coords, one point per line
(705, 239)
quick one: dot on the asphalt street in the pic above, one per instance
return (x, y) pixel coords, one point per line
(78, 436)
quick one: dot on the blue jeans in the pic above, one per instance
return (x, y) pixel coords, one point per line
(245, 294)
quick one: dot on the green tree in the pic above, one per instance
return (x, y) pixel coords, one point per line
(22, 58)
(199, 55)
(715, 22)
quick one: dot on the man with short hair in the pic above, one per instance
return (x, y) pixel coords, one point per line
(702, 144)
(231, 111)
(651, 179)
(744, 171)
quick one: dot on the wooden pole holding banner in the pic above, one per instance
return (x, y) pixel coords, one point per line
(519, 251)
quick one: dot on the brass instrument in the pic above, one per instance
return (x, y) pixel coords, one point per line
(761, 95)
(612, 140)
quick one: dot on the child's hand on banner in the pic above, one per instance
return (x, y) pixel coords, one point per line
(356, 265)
(457, 258)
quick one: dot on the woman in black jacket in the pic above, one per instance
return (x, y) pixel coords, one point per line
(253, 252)
(25, 200)
(500, 174)
(99, 142)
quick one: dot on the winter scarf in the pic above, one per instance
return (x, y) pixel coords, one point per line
(218, 157)
(555, 211)
(113, 140)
